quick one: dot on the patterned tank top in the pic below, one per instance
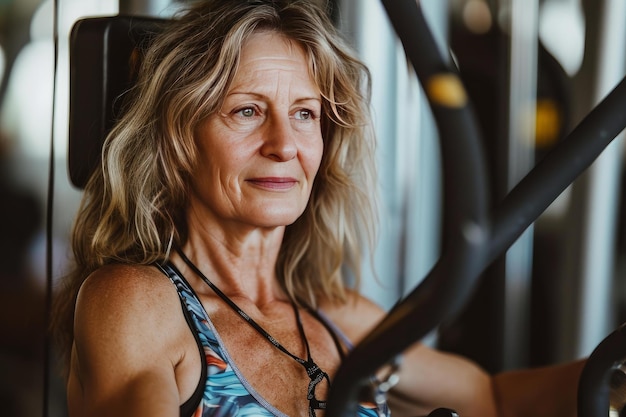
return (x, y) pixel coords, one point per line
(222, 390)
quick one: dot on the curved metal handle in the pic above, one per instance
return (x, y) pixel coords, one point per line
(594, 386)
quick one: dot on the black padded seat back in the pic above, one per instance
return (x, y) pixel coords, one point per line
(105, 53)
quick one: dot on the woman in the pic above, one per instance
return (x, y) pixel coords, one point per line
(209, 248)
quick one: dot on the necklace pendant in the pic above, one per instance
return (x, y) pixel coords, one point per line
(317, 405)
(312, 369)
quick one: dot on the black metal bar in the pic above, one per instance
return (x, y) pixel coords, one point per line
(559, 168)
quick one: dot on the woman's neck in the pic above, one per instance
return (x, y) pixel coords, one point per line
(240, 261)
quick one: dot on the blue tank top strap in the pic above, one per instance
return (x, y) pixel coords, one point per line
(188, 407)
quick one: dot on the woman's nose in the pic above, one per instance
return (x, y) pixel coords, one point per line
(279, 142)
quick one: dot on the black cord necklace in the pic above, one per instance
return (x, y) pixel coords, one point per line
(315, 373)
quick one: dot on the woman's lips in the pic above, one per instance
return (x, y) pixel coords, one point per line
(274, 183)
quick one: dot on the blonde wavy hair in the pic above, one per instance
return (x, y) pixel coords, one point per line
(133, 207)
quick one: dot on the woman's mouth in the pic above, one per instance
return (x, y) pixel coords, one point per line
(274, 183)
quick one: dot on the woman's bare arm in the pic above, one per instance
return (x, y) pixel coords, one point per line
(547, 391)
(430, 379)
(128, 334)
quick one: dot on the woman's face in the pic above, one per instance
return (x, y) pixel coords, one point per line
(260, 153)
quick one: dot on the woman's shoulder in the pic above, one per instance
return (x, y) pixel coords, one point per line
(136, 307)
(356, 317)
(126, 294)
(125, 281)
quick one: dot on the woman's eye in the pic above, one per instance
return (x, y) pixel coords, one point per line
(246, 112)
(304, 115)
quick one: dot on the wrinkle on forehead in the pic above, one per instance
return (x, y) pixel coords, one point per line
(287, 50)
(287, 57)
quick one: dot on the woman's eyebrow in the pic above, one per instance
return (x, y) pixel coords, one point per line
(264, 96)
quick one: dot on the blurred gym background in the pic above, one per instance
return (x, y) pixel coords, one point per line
(533, 68)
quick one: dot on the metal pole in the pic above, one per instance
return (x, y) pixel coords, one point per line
(595, 312)
(521, 134)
